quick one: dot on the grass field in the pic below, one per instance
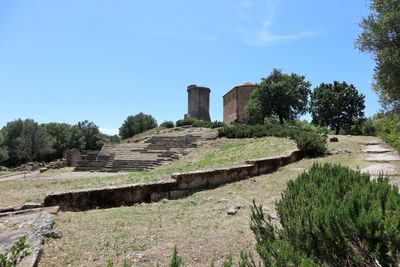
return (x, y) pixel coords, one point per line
(145, 234)
(215, 153)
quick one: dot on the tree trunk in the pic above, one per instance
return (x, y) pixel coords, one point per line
(281, 119)
(337, 129)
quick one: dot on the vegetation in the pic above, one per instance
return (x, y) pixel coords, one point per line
(388, 128)
(18, 250)
(3, 149)
(381, 37)
(280, 94)
(331, 216)
(26, 140)
(188, 120)
(136, 124)
(311, 143)
(176, 260)
(167, 124)
(91, 134)
(337, 105)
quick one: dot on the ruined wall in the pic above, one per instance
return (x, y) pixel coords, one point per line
(230, 106)
(235, 102)
(180, 185)
(199, 102)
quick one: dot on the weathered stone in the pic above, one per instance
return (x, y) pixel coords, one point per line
(232, 211)
(334, 139)
(56, 234)
(31, 205)
(199, 102)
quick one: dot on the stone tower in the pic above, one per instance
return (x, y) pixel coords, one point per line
(199, 102)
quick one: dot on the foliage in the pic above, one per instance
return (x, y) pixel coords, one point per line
(63, 138)
(388, 128)
(90, 132)
(188, 120)
(19, 249)
(363, 127)
(3, 150)
(311, 143)
(381, 37)
(337, 105)
(331, 216)
(136, 124)
(280, 94)
(34, 142)
(167, 124)
(176, 260)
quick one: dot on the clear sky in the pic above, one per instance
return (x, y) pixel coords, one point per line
(66, 61)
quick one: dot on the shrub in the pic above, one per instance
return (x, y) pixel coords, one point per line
(198, 123)
(137, 124)
(313, 145)
(167, 124)
(388, 128)
(331, 216)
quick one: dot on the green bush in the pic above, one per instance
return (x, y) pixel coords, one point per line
(313, 145)
(331, 216)
(198, 123)
(388, 128)
(167, 124)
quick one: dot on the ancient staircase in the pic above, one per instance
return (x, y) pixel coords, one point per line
(146, 153)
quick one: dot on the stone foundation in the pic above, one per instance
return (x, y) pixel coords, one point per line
(181, 185)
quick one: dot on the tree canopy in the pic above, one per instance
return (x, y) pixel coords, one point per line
(136, 124)
(336, 105)
(279, 94)
(381, 37)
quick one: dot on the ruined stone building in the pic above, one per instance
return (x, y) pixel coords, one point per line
(199, 102)
(235, 102)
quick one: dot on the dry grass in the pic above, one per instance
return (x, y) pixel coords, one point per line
(215, 153)
(146, 234)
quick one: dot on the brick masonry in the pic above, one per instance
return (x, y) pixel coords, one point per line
(235, 102)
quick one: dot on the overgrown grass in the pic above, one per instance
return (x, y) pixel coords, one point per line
(222, 152)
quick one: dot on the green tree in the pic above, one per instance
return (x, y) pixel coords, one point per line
(11, 132)
(61, 133)
(336, 105)
(3, 149)
(34, 142)
(91, 134)
(137, 124)
(381, 37)
(280, 94)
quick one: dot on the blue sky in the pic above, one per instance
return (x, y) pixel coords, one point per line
(66, 61)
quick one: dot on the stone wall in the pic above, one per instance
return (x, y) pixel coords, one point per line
(235, 102)
(180, 185)
(199, 102)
